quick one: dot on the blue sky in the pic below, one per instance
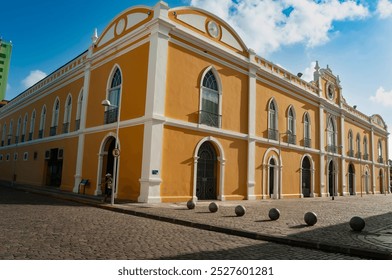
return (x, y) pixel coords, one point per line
(352, 37)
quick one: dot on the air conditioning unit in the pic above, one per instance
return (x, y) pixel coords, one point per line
(60, 154)
(47, 154)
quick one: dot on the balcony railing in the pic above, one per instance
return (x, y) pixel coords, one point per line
(65, 127)
(16, 139)
(351, 153)
(291, 138)
(110, 116)
(210, 119)
(77, 125)
(9, 141)
(366, 156)
(359, 155)
(380, 160)
(307, 142)
(22, 139)
(40, 133)
(273, 134)
(30, 136)
(53, 130)
(332, 148)
(2, 143)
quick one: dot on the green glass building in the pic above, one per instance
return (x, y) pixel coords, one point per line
(5, 58)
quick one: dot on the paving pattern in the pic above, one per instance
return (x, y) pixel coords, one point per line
(36, 226)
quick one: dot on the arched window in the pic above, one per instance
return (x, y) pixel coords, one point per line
(32, 125)
(55, 118)
(307, 138)
(210, 101)
(18, 128)
(111, 113)
(350, 144)
(10, 132)
(291, 125)
(358, 141)
(273, 120)
(79, 111)
(365, 148)
(380, 159)
(67, 114)
(24, 128)
(42, 122)
(331, 132)
(4, 133)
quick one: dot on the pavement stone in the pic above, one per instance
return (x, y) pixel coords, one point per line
(331, 233)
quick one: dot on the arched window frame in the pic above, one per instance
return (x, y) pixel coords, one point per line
(273, 130)
(67, 114)
(4, 133)
(291, 125)
(331, 135)
(210, 103)
(365, 148)
(307, 130)
(79, 110)
(350, 144)
(114, 89)
(358, 144)
(42, 122)
(18, 129)
(10, 132)
(24, 127)
(55, 117)
(379, 149)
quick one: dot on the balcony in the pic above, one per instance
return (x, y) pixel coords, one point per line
(22, 139)
(366, 156)
(2, 143)
(210, 119)
(351, 153)
(16, 139)
(359, 155)
(380, 160)
(53, 130)
(332, 149)
(291, 138)
(65, 127)
(77, 125)
(110, 116)
(307, 142)
(273, 134)
(30, 136)
(40, 133)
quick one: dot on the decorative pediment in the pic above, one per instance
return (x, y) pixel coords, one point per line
(378, 120)
(123, 24)
(209, 26)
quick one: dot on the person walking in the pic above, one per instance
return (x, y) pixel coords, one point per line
(108, 186)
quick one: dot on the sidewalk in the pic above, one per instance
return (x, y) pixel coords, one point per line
(332, 231)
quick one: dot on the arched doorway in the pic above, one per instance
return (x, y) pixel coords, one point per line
(272, 166)
(306, 177)
(107, 161)
(351, 176)
(331, 178)
(381, 178)
(366, 181)
(206, 172)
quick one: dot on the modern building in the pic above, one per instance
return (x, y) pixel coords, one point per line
(194, 114)
(5, 58)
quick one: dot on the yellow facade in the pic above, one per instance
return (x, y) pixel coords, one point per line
(193, 114)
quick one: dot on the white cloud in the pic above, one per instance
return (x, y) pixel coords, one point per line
(382, 97)
(384, 8)
(308, 72)
(265, 25)
(33, 77)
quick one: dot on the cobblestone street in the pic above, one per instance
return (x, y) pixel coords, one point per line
(41, 227)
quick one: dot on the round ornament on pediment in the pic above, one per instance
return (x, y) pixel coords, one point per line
(330, 91)
(213, 29)
(120, 26)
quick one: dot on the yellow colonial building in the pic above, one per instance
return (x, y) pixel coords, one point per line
(194, 114)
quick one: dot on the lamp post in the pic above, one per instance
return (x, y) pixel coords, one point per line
(280, 162)
(116, 151)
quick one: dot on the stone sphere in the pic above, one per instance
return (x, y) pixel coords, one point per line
(310, 218)
(357, 223)
(240, 210)
(190, 204)
(213, 207)
(274, 214)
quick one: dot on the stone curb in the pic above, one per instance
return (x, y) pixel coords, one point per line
(332, 248)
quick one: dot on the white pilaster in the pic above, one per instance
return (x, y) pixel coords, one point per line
(343, 164)
(150, 180)
(374, 159)
(322, 151)
(82, 126)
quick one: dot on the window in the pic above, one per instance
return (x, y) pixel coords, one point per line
(331, 134)
(24, 128)
(114, 91)
(79, 111)
(307, 142)
(291, 126)
(55, 118)
(18, 126)
(210, 101)
(42, 123)
(350, 144)
(380, 159)
(273, 121)
(10, 132)
(32, 124)
(26, 156)
(365, 149)
(67, 114)
(3, 134)
(358, 141)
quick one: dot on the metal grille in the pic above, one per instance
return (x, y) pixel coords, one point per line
(209, 119)
(206, 172)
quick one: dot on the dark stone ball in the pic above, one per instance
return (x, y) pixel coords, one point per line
(190, 204)
(310, 218)
(274, 214)
(213, 207)
(357, 223)
(240, 210)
